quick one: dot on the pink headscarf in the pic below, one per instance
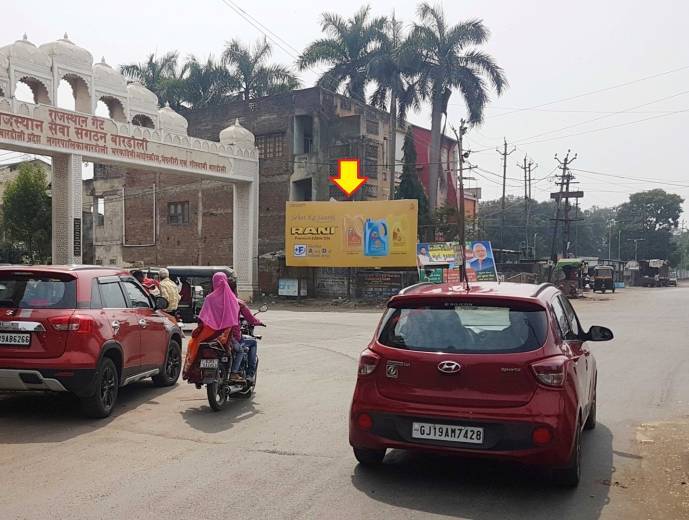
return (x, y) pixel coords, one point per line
(220, 309)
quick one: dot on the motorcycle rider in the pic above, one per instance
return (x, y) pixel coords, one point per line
(218, 319)
(244, 341)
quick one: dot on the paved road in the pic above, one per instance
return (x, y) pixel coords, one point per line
(284, 454)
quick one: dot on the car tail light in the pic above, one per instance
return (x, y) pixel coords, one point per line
(368, 361)
(364, 421)
(541, 436)
(551, 371)
(76, 323)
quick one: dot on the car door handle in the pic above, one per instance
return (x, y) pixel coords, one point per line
(115, 326)
(143, 323)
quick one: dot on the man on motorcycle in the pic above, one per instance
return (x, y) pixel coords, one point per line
(244, 342)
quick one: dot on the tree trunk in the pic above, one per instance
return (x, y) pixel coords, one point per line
(434, 156)
(392, 160)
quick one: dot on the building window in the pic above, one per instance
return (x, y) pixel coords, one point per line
(100, 211)
(178, 213)
(372, 127)
(345, 104)
(270, 146)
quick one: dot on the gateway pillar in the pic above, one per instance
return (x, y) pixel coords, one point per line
(245, 237)
(66, 192)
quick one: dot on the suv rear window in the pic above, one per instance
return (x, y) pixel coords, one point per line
(33, 291)
(465, 328)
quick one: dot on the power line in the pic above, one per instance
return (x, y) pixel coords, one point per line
(624, 111)
(594, 130)
(637, 179)
(597, 91)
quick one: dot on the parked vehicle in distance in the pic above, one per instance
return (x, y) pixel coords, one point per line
(195, 283)
(603, 279)
(672, 280)
(498, 370)
(88, 330)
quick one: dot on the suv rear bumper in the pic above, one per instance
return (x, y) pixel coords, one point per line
(20, 379)
(79, 382)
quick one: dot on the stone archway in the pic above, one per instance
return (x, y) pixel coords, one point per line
(143, 120)
(115, 109)
(38, 89)
(80, 91)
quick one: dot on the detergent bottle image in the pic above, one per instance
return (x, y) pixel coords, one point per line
(376, 238)
(353, 234)
(398, 228)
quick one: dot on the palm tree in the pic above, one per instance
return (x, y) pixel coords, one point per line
(348, 50)
(255, 77)
(160, 75)
(395, 80)
(450, 61)
(207, 83)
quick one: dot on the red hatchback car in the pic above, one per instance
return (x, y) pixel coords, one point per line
(85, 330)
(495, 370)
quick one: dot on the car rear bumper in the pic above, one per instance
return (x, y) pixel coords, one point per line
(20, 379)
(507, 431)
(79, 382)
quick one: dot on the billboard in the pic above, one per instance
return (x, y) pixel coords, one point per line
(351, 234)
(480, 262)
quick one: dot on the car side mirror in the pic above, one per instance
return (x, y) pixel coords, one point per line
(263, 308)
(161, 303)
(598, 333)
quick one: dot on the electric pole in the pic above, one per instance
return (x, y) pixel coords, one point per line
(564, 181)
(528, 165)
(459, 135)
(504, 154)
(636, 246)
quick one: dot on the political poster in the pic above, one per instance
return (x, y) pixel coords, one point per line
(439, 262)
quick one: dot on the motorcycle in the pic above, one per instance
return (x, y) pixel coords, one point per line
(213, 365)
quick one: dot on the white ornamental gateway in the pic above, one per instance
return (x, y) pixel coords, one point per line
(138, 134)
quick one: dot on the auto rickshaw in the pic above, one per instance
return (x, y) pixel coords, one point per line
(569, 276)
(195, 284)
(603, 279)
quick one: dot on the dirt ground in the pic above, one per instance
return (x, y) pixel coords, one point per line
(659, 485)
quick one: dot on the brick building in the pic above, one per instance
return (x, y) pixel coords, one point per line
(300, 135)
(160, 219)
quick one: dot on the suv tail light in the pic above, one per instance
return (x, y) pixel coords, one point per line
(368, 361)
(551, 371)
(77, 323)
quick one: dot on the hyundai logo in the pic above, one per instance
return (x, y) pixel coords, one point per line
(449, 367)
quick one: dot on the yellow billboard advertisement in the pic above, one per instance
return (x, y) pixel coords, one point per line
(351, 234)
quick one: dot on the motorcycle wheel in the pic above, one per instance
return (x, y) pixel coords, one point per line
(217, 396)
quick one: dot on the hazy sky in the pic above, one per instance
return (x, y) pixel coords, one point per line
(550, 49)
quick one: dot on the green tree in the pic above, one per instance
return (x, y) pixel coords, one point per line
(254, 76)
(348, 50)
(395, 80)
(450, 60)
(651, 216)
(410, 186)
(27, 212)
(207, 83)
(160, 75)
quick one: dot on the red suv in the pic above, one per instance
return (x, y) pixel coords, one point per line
(495, 370)
(85, 330)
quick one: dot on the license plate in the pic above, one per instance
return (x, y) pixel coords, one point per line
(209, 363)
(22, 340)
(447, 432)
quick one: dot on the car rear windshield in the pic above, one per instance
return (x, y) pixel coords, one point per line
(465, 328)
(34, 291)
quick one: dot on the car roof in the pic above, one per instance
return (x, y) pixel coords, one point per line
(478, 290)
(72, 269)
